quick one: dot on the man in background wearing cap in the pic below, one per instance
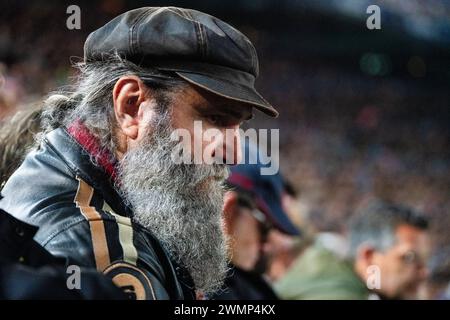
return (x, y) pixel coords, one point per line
(252, 209)
(102, 186)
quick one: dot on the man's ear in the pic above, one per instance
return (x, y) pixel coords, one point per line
(128, 94)
(366, 254)
(230, 210)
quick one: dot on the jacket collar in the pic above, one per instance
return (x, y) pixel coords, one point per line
(91, 145)
(76, 146)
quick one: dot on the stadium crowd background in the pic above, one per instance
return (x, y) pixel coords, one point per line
(363, 113)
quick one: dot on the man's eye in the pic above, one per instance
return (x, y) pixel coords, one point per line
(215, 119)
(410, 257)
(222, 120)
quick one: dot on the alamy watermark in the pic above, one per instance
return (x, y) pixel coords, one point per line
(373, 281)
(74, 279)
(373, 22)
(221, 147)
(73, 21)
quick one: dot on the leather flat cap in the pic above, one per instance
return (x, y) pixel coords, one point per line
(200, 48)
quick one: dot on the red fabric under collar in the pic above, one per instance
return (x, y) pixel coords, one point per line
(90, 143)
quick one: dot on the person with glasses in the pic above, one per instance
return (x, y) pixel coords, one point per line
(252, 210)
(388, 246)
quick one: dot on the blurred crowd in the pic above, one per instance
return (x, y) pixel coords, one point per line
(354, 138)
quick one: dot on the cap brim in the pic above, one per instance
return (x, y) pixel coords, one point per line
(279, 218)
(229, 90)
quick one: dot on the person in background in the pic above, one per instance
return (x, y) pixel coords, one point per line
(252, 209)
(388, 249)
(16, 138)
(282, 249)
(11, 93)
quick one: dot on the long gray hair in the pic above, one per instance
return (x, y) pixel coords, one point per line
(90, 101)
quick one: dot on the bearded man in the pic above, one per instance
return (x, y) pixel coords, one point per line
(102, 185)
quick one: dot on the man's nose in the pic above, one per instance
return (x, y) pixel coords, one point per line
(232, 147)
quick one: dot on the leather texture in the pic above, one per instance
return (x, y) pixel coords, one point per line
(47, 190)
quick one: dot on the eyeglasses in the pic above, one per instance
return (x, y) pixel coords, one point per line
(411, 257)
(265, 225)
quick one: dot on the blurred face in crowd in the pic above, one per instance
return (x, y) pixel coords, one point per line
(245, 232)
(180, 203)
(403, 266)
(280, 251)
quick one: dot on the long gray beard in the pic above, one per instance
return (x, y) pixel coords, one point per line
(181, 204)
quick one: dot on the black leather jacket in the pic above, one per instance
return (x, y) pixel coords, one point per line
(82, 218)
(245, 285)
(28, 271)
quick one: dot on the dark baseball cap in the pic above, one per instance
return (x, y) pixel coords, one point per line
(266, 189)
(198, 47)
